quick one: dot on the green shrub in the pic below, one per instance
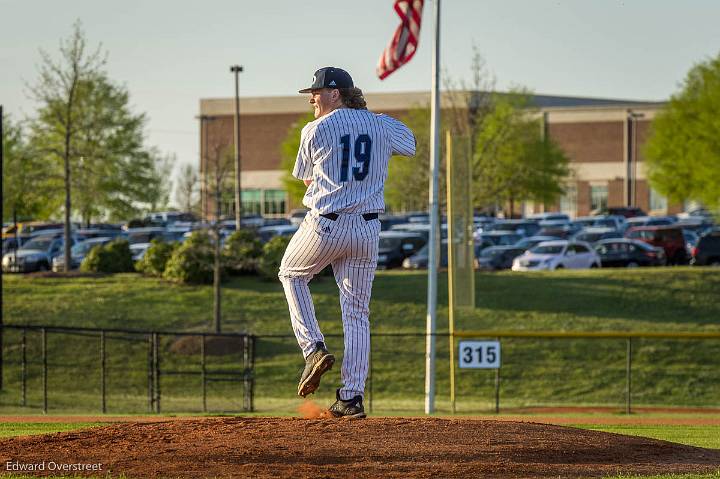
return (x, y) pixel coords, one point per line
(156, 257)
(112, 257)
(242, 252)
(193, 260)
(273, 252)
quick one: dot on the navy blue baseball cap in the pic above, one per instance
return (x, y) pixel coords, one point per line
(330, 77)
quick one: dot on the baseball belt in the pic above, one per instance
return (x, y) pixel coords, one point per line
(366, 216)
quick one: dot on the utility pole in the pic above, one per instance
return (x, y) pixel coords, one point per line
(631, 152)
(434, 240)
(236, 69)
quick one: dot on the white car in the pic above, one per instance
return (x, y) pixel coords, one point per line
(551, 255)
(138, 250)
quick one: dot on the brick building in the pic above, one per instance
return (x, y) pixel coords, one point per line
(603, 139)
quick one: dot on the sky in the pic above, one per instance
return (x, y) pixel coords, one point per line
(170, 54)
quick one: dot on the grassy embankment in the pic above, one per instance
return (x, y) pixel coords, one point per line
(535, 371)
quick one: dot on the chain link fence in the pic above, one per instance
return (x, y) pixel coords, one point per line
(121, 371)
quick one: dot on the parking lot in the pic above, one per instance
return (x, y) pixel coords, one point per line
(546, 241)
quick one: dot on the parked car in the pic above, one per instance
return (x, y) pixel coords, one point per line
(623, 252)
(35, 255)
(550, 216)
(395, 246)
(670, 238)
(624, 211)
(78, 253)
(561, 229)
(11, 243)
(266, 233)
(88, 233)
(608, 221)
(698, 214)
(297, 216)
(145, 235)
(497, 257)
(496, 238)
(593, 234)
(532, 241)
(650, 221)
(420, 259)
(167, 218)
(522, 227)
(276, 222)
(30, 227)
(707, 251)
(482, 223)
(557, 224)
(699, 226)
(552, 255)
(138, 250)
(691, 238)
(418, 217)
(388, 221)
(420, 228)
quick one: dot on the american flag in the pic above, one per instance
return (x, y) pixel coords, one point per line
(405, 40)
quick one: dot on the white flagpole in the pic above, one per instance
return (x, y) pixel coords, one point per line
(434, 248)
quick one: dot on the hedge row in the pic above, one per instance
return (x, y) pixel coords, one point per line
(193, 260)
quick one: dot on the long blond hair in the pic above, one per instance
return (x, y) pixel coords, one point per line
(353, 98)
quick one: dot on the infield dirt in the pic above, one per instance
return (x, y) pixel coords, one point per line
(374, 447)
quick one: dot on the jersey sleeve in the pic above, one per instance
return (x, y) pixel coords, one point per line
(402, 138)
(303, 169)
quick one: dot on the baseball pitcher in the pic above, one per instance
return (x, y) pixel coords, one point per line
(343, 160)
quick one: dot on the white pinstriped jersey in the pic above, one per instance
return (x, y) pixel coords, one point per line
(346, 154)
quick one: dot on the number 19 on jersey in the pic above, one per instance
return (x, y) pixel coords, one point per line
(479, 354)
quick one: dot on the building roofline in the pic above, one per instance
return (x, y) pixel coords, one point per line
(392, 101)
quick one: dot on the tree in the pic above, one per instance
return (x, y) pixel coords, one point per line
(91, 140)
(57, 90)
(406, 188)
(115, 174)
(23, 176)
(512, 162)
(186, 192)
(220, 166)
(683, 152)
(288, 152)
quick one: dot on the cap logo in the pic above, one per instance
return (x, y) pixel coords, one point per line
(332, 83)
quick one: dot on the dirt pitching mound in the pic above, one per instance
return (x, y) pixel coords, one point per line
(374, 447)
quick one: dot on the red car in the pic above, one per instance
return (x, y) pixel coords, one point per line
(669, 238)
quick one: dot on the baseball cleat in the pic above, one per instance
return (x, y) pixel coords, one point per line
(348, 409)
(318, 363)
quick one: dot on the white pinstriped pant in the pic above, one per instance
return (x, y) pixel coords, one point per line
(350, 245)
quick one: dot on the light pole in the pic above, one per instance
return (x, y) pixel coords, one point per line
(204, 165)
(631, 173)
(236, 69)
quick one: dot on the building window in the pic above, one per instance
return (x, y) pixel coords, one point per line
(274, 202)
(598, 198)
(568, 201)
(264, 202)
(657, 201)
(251, 201)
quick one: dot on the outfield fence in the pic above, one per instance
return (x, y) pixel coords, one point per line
(50, 367)
(118, 371)
(538, 369)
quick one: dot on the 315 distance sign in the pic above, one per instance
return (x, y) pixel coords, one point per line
(479, 354)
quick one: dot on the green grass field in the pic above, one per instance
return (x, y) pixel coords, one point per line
(535, 372)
